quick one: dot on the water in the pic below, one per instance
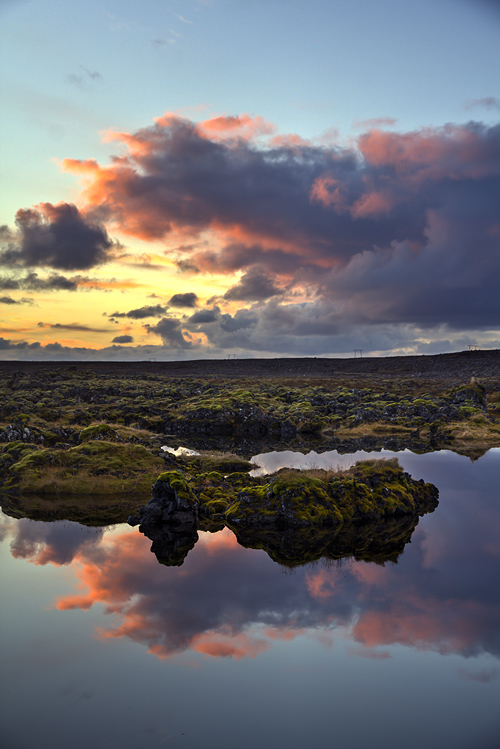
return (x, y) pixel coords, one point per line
(104, 647)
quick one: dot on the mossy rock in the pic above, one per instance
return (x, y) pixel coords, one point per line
(99, 432)
(93, 467)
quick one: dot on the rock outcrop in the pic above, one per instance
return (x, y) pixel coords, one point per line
(373, 491)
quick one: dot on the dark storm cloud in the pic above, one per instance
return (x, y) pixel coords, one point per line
(170, 331)
(189, 299)
(204, 316)
(57, 236)
(255, 285)
(123, 339)
(155, 310)
(403, 226)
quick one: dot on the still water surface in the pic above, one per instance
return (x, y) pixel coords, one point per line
(104, 647)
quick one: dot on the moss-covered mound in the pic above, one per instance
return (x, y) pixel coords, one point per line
(370, 491)
(368, 512)
(94, 467)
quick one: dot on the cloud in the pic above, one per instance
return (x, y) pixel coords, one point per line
(189, 299)
(374, 122)
(51, 543)
(6, 344)
(396, 229)
(57, 236)
(9, 300)
(485, 676)
(240, 127)
(123, 339)
(32, 282)
(204, 316)
(487, 102)
(415, 209)
(82, 81)
(170, 331)
(255, 285)
(73, 327)
(154, 310)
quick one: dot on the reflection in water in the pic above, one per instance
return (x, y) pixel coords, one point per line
(230, 601)
(379, 542)
(356, 653)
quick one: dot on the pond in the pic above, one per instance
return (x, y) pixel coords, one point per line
(103, 646)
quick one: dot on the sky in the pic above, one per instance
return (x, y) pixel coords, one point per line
(191, 179)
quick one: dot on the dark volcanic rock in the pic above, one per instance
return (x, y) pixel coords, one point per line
(172, 504)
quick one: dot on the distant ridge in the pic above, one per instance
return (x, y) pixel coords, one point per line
(459, 365)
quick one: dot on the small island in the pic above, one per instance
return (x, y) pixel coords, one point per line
(282, 504)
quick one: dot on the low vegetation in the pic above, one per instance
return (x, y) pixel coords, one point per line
(73, 430)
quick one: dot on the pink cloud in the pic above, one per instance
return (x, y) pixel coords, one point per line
(329, 192)
(240, 126)
(373, 204)
(321, 584)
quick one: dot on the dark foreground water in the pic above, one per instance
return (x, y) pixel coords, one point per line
(103, 647)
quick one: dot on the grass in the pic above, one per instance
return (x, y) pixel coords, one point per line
(64, 410)
(93, 468)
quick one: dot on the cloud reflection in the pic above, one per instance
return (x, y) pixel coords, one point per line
(231, 602)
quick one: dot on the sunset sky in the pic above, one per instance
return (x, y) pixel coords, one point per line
(185, 179)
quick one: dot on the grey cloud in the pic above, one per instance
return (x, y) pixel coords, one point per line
(255, 285)
(487, 102)
(76, 327)
(57, 236)
(204, 316)
(189, 299)
(170, 331)
(155, 310)
(9, 300)
(53, 282)
(9, 284)
(123, 339)
(82, 81)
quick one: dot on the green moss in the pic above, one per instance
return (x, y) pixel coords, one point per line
(99, 432)
(91, 468)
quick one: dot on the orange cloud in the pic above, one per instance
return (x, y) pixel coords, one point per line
(373, 204)
(226, 645)
(241, 126)
(445, 626)
(431, 153)
(321, 584)
(328, 191)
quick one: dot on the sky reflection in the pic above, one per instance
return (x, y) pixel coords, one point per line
(230, 602)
